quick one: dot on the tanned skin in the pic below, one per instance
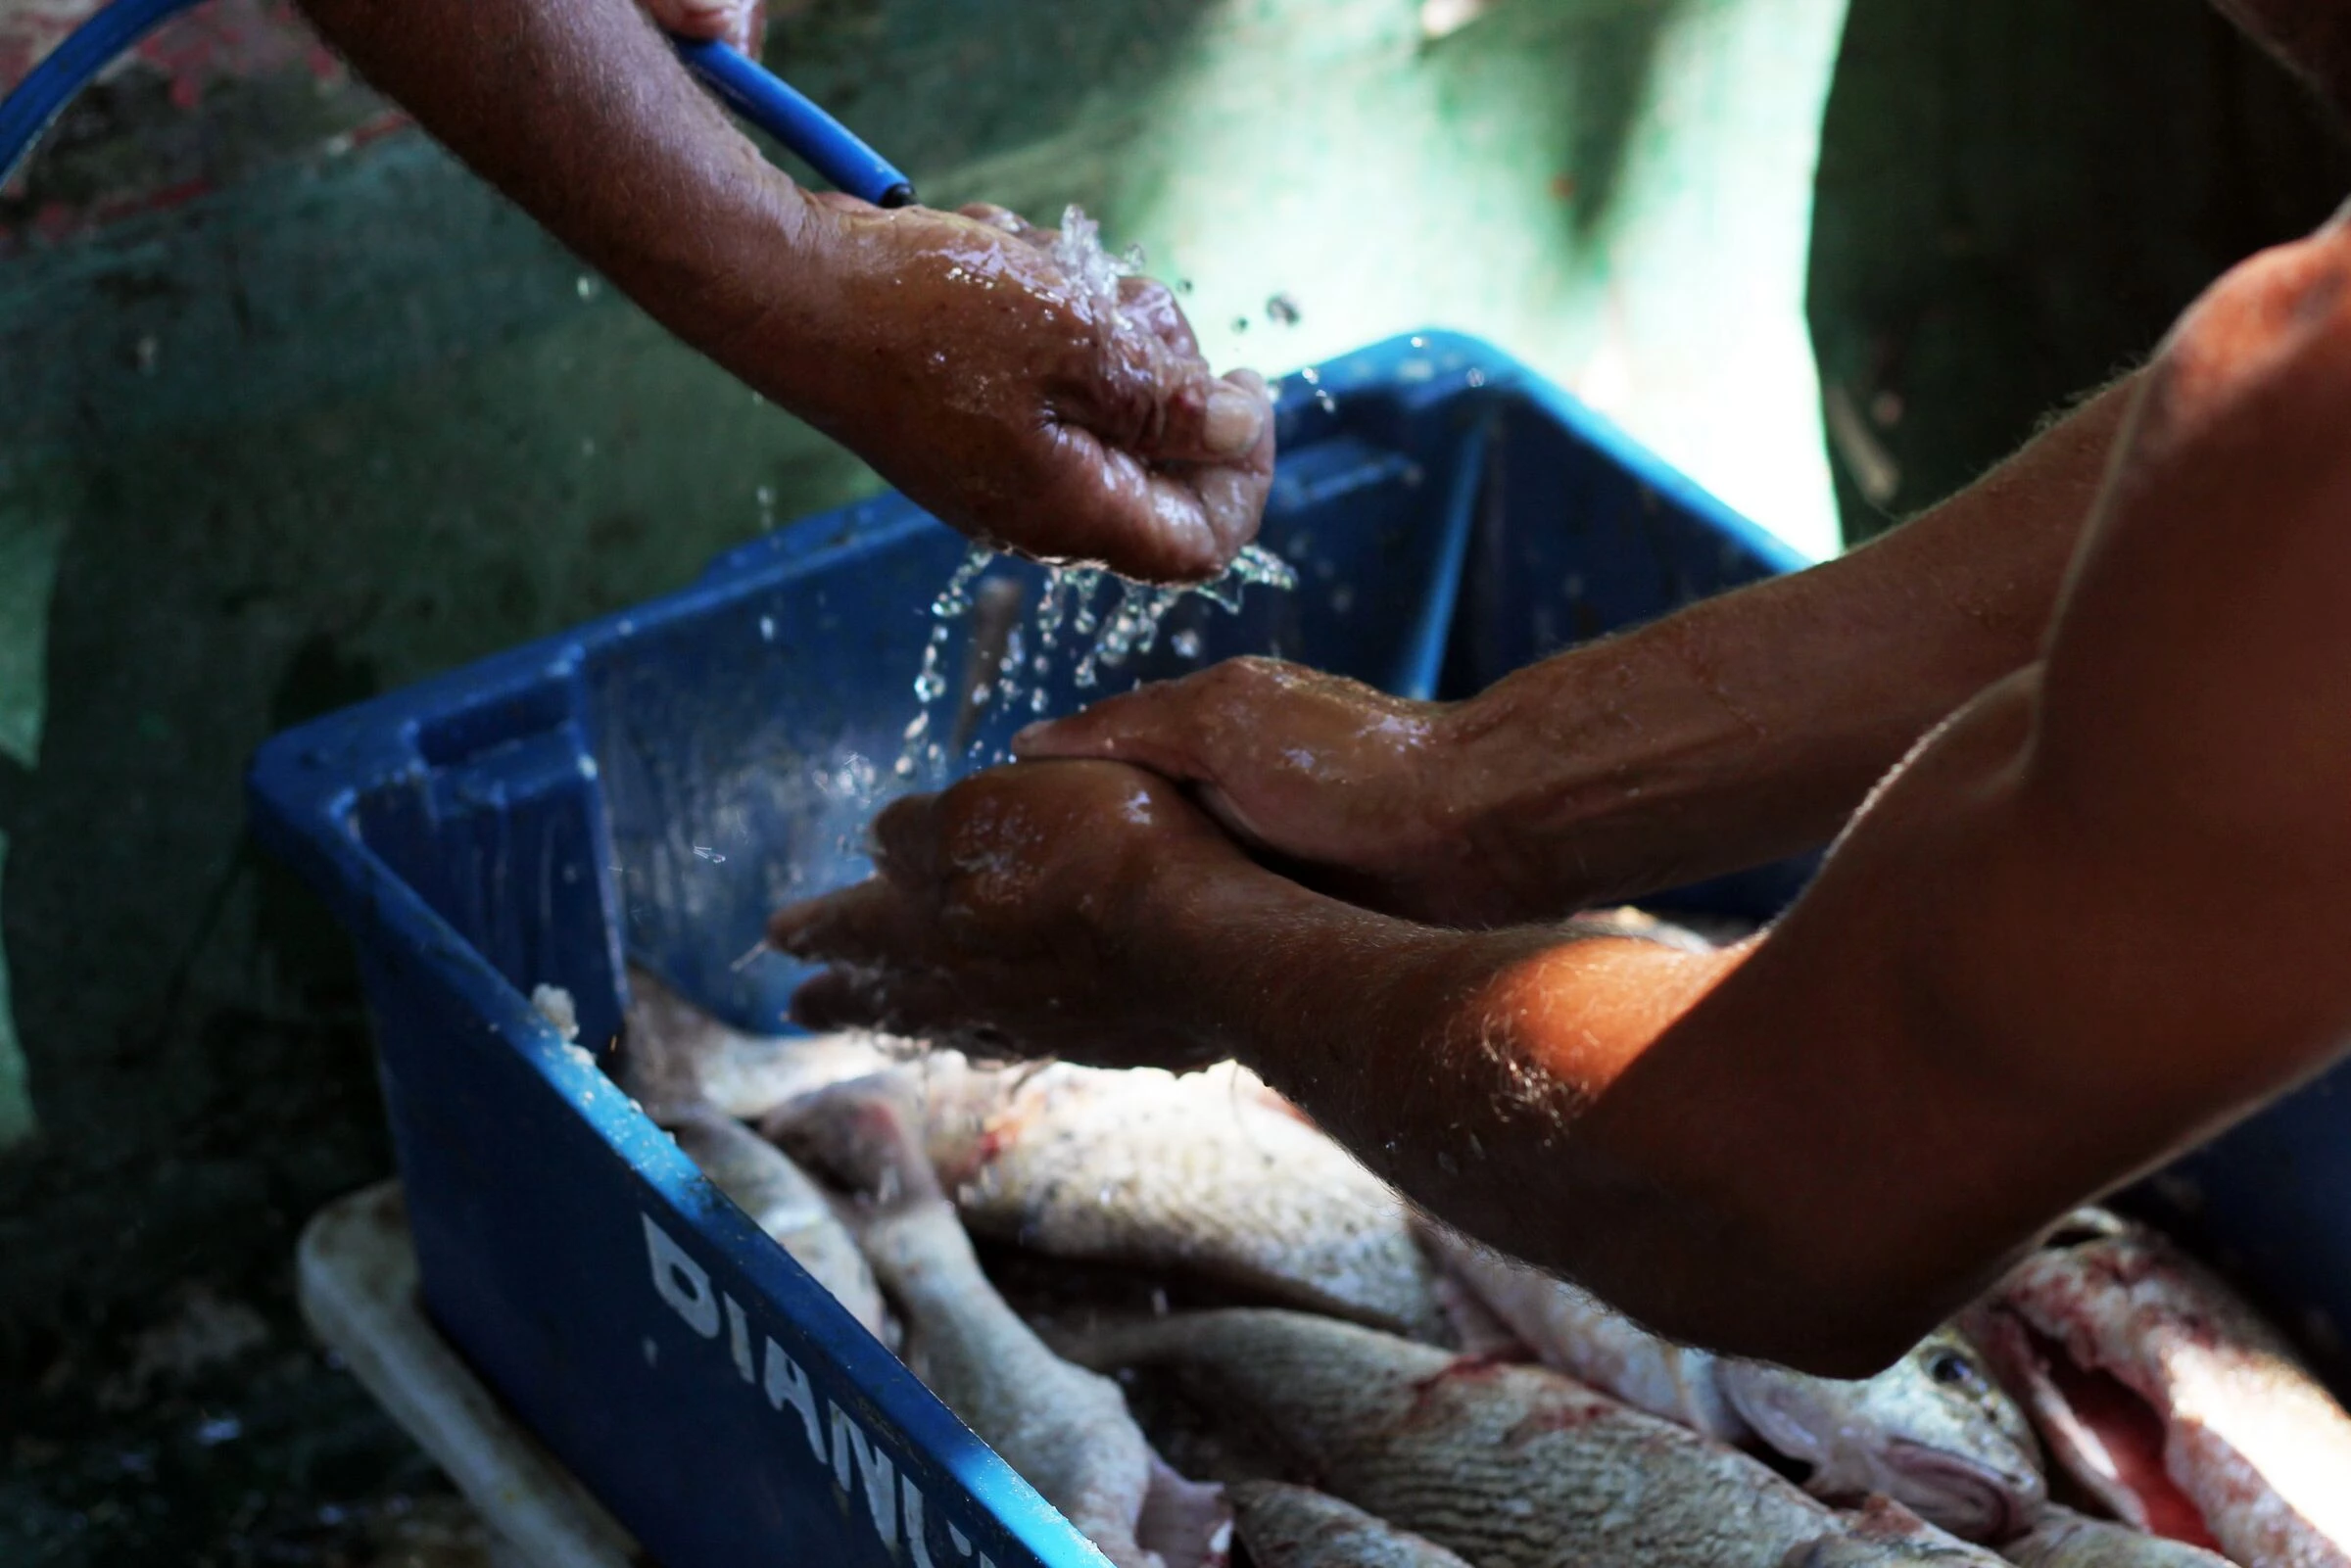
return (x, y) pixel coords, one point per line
(947, 349)
(2103, 682)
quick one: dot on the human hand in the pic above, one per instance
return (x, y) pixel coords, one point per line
(1018, 403)
(1357, 791)
(742, 24)
(1034, 909)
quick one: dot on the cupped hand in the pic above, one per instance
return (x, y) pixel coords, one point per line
(1353, 790)
(1029, 909)
(1064, 417)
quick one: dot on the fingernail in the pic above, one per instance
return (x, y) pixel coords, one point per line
(1234, 419)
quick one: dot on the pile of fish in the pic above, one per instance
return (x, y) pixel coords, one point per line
(1443, 1406)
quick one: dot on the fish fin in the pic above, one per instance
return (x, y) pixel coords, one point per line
(1187, 1523)
(1476, 1329)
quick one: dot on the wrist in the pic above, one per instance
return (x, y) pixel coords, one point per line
(751, 274)
(1590, 777)
(1301, 988)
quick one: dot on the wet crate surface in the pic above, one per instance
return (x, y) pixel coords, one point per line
(653, 785)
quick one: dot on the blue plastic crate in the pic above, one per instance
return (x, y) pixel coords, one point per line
(656, 782)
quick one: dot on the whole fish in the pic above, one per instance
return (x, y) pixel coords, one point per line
(2170, 1400)
(1294, 1527)
(1064, 1429)
(1210, 1173)
(785, 1203)
(1511, 1466)
(676, 1058)
(2063, 1539)
(1934, 1432)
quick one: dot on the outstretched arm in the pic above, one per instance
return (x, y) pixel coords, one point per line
(950, 352)
(2006, 992)
(1741, 728)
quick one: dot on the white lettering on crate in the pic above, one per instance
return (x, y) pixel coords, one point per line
(852, 1454)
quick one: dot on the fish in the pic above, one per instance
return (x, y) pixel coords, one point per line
(2169, 1398)
(1210, 1173)
(1296, 1527)
(1934, 1432)
(676, 1058)
(1576, 1333)
(783, 1201)
(2063, 1539)
(1509, 1465)
(1065, 1430)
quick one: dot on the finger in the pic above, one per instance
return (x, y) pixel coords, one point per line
(873, 922)
(1152, 727)
(905, 841)
(912, 1004)
(1233, 494)
(1010, 223)
(1150, 305)
(994, 216)
(1205, 418)
(1108, 510)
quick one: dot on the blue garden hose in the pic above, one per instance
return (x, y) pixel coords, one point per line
(71, 66)
(788, 114)
(751, 90)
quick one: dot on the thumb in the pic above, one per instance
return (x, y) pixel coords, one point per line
(1152, 727)
(1206, 418)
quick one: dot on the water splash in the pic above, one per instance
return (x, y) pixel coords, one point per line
(1073, 617)
(1078, 251)
(949, 609)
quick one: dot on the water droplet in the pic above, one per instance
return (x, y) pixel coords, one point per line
(586, 286)
(1186, 645)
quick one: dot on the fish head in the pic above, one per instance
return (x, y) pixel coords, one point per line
(1934, 1432)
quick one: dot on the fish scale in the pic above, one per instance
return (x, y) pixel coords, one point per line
(1208, 1173)
(1511, 1467)
(1293, 1527)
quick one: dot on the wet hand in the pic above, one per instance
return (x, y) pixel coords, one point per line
(1356, 791)
(1066, 418)
(1030, 910)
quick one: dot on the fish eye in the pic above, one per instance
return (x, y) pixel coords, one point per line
(1952, 1369)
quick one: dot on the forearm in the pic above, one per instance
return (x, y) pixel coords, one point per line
(579, 111)
(1750, 726)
